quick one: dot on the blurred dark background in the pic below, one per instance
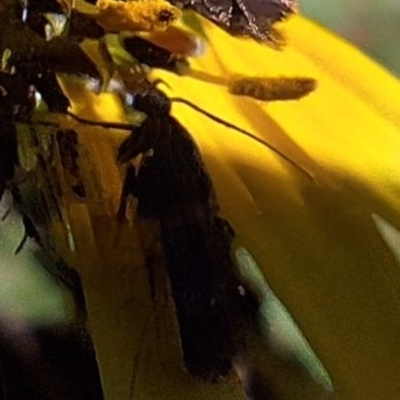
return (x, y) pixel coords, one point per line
(373, 25)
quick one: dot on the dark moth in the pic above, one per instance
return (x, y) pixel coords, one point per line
(172, 187)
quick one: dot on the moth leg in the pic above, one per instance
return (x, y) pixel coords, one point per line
(129, 188)
(140, 141)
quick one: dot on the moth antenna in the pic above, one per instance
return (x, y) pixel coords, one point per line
(21, 244)
(244, 132)
(160, 81)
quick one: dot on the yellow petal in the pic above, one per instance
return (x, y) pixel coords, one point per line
(315, 239)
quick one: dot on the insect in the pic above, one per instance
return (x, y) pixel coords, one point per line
(172, 186)
(174, 189)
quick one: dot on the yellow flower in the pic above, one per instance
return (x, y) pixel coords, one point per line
(314, 238)
(312, 229)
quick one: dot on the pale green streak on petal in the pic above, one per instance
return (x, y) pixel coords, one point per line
(390, 234)
(284, 335)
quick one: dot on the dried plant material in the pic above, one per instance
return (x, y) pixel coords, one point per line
(251, 18)
(272, 88)
(116, 16)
